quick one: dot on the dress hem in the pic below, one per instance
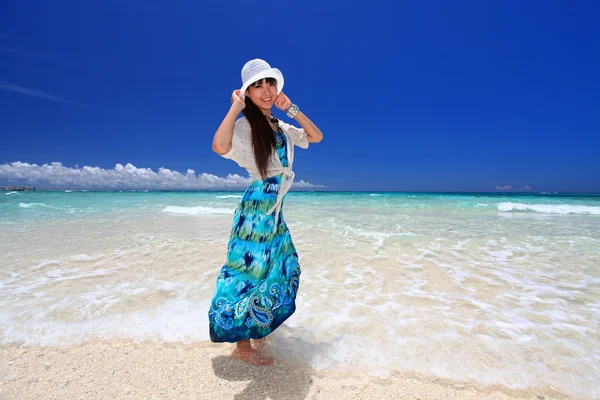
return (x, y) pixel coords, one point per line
(256, 336)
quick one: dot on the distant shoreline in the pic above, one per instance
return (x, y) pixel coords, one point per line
(524, 193)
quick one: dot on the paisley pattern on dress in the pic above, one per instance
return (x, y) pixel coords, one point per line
(256, 289)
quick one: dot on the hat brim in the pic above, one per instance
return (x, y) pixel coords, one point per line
(269, 73)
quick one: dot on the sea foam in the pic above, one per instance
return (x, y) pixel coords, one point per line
(550, 208)
(197, 210)
(31, 205)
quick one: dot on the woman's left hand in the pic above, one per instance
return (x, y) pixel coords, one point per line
(282, 102)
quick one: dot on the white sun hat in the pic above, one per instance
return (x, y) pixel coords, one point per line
(257, 69)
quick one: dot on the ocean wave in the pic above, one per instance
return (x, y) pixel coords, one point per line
(12, 193)
(30, 205)
(230, 196)
(177, 320)
(197, 210)
(550, 208)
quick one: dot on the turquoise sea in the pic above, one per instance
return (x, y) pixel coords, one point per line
(489, 289)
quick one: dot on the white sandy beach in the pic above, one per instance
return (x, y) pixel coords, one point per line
(125, 370)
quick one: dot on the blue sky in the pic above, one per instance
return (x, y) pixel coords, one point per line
(415, 96)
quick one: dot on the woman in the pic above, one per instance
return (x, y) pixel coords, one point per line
(256, 288)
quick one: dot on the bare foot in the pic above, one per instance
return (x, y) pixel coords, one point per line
(252, 356)
(259, 343)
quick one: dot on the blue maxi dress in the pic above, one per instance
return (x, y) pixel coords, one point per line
(256, 288)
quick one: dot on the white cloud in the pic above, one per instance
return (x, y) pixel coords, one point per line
(305, 185)
(36, 93)
(56, 175)
(509, 187)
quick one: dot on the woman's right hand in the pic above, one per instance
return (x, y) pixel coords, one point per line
(237, 101)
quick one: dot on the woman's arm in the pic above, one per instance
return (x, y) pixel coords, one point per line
(313, 134)
(222, 139)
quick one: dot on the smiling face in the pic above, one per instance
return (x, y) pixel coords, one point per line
(262, 93)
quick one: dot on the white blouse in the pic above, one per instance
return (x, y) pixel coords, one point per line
(243, 154)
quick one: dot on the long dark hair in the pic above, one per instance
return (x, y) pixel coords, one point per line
(263, 139)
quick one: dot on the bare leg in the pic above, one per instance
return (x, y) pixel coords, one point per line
(245, 352)
(259, 343)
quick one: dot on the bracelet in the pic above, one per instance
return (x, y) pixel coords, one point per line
(292, 111)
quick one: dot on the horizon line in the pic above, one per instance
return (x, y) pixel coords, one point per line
(310, 191)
